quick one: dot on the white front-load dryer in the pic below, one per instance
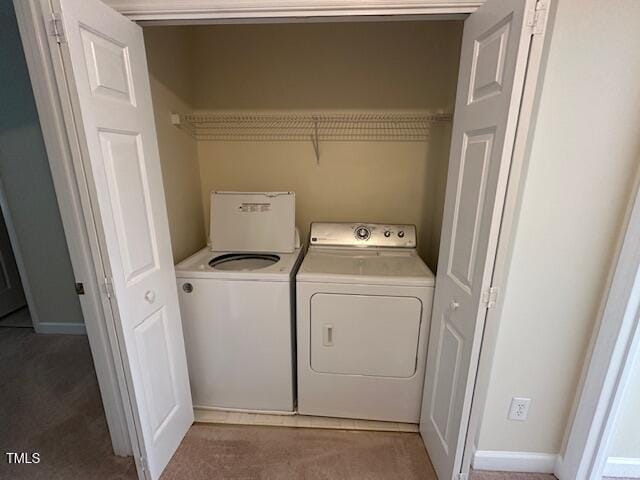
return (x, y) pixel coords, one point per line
(364, 301)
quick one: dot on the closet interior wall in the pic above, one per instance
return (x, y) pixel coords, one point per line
(171, 72)
(318, 67)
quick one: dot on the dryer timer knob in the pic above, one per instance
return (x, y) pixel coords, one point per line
(362, 232)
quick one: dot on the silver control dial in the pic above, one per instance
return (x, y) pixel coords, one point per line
(401, 233)
(362, 232)
(387, 233)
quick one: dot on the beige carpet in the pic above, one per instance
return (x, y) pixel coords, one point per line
(241, 452)
(51, 405)
(234, 452)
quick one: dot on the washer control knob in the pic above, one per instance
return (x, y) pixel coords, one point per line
(401, 233)
(362, 233)
(387, 233)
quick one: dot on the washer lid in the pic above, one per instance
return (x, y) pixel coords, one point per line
(366, 266)
(253, 222)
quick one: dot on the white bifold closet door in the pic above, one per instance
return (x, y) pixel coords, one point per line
(109, 85)
(495, 45)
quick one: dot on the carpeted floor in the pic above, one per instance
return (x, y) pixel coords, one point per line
(233, 452)
(50, 404)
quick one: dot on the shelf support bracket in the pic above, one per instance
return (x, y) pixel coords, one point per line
(315, 141)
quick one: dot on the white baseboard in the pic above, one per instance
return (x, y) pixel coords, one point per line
(65, 328)
(526, 462)
(622, 467)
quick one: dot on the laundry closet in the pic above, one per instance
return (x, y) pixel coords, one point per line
(355, 119)
(391, 85)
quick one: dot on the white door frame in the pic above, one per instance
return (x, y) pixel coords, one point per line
(616, 341)
(53, 104)
(209, 11)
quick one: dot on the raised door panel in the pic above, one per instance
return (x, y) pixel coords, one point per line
(450, 346)
(469, 206)
(108, 67)
(151, 337)
(130, 203)
(488, 61)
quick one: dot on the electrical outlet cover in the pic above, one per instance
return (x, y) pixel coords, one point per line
(519, 409)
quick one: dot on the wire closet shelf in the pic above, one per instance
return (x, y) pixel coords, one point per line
(316, 127)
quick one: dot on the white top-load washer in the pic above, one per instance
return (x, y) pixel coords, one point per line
(236, 299)
(363, 314)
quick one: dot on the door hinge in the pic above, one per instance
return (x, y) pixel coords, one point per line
(57, 27)
(143, 464)
(463, 476)
(79, 288)
(490, 297)
(536, 17)
(108, 287)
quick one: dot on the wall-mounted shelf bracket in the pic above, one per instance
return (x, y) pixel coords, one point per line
(315, 141)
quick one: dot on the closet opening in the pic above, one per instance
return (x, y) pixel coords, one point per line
(355, 118)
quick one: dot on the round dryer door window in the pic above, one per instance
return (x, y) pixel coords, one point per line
(243, 262)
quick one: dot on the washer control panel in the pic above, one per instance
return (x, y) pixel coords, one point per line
(363, 235)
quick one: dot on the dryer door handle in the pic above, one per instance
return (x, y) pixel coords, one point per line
(327, 335)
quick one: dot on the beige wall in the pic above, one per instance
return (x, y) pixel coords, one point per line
(171, 75)
(373, 182)
(625, 439)
(584, 157)
(328, 66)
(360, 66)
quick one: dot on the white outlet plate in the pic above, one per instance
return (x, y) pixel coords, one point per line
(519, 409)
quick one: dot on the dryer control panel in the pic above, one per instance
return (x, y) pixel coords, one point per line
(363, 235)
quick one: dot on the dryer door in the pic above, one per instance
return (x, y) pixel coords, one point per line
(368, 335)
